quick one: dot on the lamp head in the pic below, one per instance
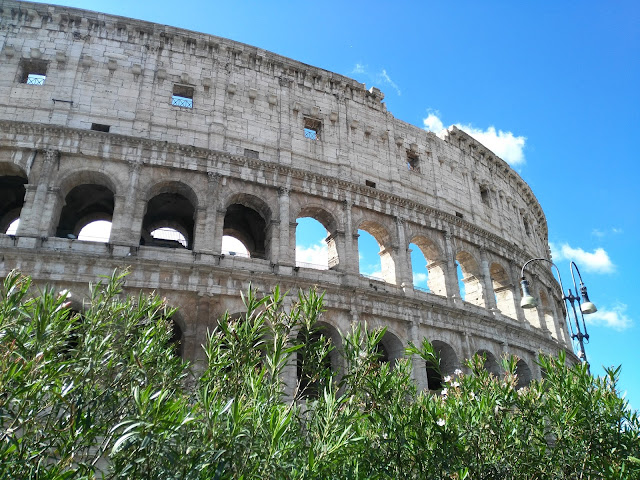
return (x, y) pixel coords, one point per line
(586, 306)
(528, 301)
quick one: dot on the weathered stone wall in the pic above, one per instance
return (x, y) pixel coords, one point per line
(236, 158)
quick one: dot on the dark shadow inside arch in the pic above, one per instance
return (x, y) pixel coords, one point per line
(84, 204)
(249, 227)
(524, 374)
(448, 364)
(168, 212)
(313, 372)
(177, 339)
(491, 365)
(390, 349)
(12, 191)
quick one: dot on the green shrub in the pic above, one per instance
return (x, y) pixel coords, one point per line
(103, 394)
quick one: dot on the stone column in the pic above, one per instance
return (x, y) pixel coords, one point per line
(209, 238)
(487, 283)
(403, 262)
(286, 251)
(352, 263)
(199, 241)
(33, 220)
(419, 372)
(450, 271)
(124, 228)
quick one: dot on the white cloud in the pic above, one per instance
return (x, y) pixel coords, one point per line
(504, 144)
(615, 318)
(419, 278)
(596, 232)
(358, 68)
(597, 261)
(387, 80)
(433, 123)
(317, 254)
(380, 78)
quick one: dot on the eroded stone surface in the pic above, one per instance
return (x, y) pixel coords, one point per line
(144, 125)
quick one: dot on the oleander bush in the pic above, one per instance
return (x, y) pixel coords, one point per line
(104, 395)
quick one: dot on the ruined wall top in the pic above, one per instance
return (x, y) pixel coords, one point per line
(141, 81)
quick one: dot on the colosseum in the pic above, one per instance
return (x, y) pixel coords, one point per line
(155, 128)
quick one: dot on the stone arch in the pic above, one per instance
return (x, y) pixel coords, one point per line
(84, 203)
(390, 348)
(436, 264)
(491, 364)
(329, 222)
(384, 239)
(503, 290)
(448, 364)
(524, 374)
(71, 180)
(170, 205)
(471, 277)
(247, 218)
(13, 181)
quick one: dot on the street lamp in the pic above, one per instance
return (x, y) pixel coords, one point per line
(585, 306)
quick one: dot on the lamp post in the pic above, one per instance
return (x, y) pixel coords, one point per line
(585, 306)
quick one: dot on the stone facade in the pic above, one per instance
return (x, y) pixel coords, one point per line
(147, 126)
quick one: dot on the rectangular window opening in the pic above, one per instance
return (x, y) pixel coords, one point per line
(182, 96)
(251, 153)
(369, 183)
(33, 72)
(484, 195)
(413, 162)
(459, 215)
(98, 127)
(312, 128)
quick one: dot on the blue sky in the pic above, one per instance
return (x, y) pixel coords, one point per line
(552, 87)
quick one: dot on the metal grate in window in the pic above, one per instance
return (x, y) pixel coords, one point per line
(35, 79)
(179, 101)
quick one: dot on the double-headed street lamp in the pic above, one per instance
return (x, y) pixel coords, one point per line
(585, 306)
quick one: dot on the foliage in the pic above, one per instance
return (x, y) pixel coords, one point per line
(104, 395)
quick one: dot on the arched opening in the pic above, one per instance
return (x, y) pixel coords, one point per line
(390, 349)
(461, 288)
(234, 247)
(247, 221)
(312, 250)
(503, 290)
(374, 240)
(428, 266)
(12, 190)
(169, 221)
(419, 269)
(470, 277)
(98, 231)
(448, 364)
(85, 204)
(524, 374)
(170, 236)
(313, 369)
(491, 365)
(177, 339)
(13, 227)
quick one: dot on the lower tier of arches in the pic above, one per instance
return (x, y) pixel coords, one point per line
(203, 289)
